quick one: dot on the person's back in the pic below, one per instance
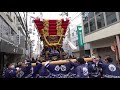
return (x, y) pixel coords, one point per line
(25, 70)
(82, 69)
(43, 72)
(10, 72)
(73, 66)
(66, 68)
(99, 68)
(36, 69)
(52, 51)
(56, 52)
(54, 69)
(93, 70)
(110, 70)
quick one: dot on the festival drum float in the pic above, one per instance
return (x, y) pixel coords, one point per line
(52, 32)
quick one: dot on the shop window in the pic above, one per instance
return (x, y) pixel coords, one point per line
(96, 13)
(86, 29)
(100, 21)
(92, 25)
(91, 14)
(111, 17)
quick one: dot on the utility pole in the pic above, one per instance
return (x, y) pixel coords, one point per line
(69, 39)
(26, 32)
(118, 49)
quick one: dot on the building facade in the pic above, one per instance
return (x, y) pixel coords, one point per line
(72, 35)
(65, 45)
(101, 31)
(34, 34)
(74, 40)
(12, 38)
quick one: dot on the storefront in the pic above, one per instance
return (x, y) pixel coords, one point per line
(103, 47)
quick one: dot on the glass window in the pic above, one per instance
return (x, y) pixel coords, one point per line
(9, 30)
(76, 32)
(5, 30)
(21, 34)
(32, 21)
(119, 14)
(1, 21)
(97, 13)
(100, 21)
(33, 33)
(13, 36)
(92, 25)
(76, 42)
(85, 16)
(1, 25)
(111, 17)
(73, 34)
(85, 19)
(91, 14)
(10, 13)
(14, 19)
(86, 29)
(30, 30)
(67, 36)
(21, 40)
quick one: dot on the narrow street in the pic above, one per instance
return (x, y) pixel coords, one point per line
(59, 45)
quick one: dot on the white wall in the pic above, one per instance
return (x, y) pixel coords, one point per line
(106, 42)
(87, 46)
(106, 32)
(65, 43)
(74, 38)
(76, 20)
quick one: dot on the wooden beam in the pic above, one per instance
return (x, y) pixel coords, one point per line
(67, 61)
(118, 44)
(63, 61)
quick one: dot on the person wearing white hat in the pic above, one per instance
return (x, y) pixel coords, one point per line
(93, 68)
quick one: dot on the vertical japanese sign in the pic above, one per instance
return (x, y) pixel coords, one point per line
(80, 36)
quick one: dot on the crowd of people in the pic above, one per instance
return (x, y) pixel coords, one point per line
(50, 52)
(96, 68)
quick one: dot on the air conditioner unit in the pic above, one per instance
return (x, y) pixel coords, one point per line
(19, 27)
(30, 30)
(33, 33)
(18, 39)
(83, 18)
(9, 17)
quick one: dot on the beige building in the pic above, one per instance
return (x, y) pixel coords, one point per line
(101, 30)
(12, 37)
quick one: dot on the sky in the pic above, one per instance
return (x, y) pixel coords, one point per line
(75, 17)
